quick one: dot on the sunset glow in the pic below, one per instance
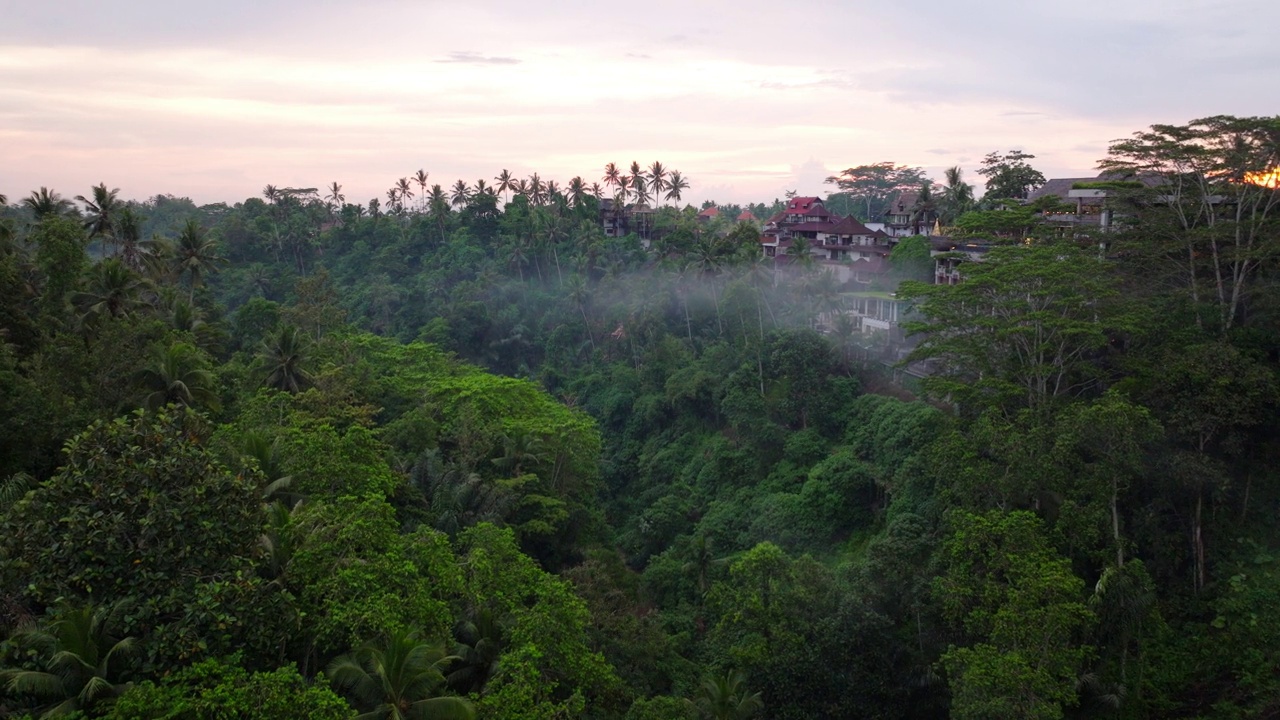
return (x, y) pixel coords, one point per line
(1269, 179)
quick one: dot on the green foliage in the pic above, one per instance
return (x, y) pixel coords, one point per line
(221, 690)
(1022, 608)
(140, 504)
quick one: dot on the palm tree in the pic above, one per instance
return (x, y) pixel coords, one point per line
(553, 189)
(612, 176)
(478, 645)
(284, 355)
(924, 209)
(726, 697)
(521, 188)
(461, 194)
(438, 204)
(335, 194)
(596, 191)
(265, 453)
(399, 680)
(537, 190)
(483, 188)
(420, 177)
(45, 202)
(520, 453)
(102, 210)
(83, 658)
(393, 201)
(404, 190)
(129, 238)
(676, 185)
(194, 255)
(577, 191)
(178, 375)
(657, 180)
(271, 193)
(113, 291)
(957, 196)
(506, 183)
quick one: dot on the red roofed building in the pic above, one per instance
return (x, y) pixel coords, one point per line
(709, 214)
(746, 216)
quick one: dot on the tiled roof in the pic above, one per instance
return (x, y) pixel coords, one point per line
(709, 212)
(802, 203)
(849, 226)
(811, 227)
(746, 215)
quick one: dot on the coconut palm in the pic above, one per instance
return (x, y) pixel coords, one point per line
(113, 291)
(399, 680)
(266, 455)
(438, 205)
(957, 196)
(726, 697)
(577, 191)
(101, 207)
(420, 177)
(404, 190)
(284, 356)
(483, 188)
(520, 453)
(521, 188)
(45, 202)
(657, 180)
(636, 178)
(178, 375)
(553, 190)
(612, 176)
(194, 255)
(335, 194)
(393, 201)
(83, 661)
(537, 190)
(478, 645)
(461, 193)
(505, 183)
(271, 193)
(676, 185)
(596, 191)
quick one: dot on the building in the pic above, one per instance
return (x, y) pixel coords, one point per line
(709, 214)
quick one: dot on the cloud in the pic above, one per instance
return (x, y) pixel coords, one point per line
(474, 58)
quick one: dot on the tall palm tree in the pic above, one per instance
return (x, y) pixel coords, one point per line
(284, 356)
(399, 680)
(335, 194)
(460, 194)
(194, 255)
(82, 659)
(178, 375)
(676, 186)
(438, 205)
(657, 180)
(726, 697)
(393, 201)
(483, 188)
(577, 191)
(521, 188)
(271, 193)
(129, 238)
(506, 183)
(596, 191)
(612, 176)
(537, 190)
(101, 207)
(636, 178)
(420, 177)
(45, 202)
(404, 190)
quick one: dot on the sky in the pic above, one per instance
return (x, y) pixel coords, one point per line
(214, 100)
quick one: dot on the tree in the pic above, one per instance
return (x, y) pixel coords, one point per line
(726, 697)
(461, 194)
(82, 657)
(1021, 607)
(676, 185)
(1204, 217)
(657, 180)
(612, 176)
(420, 177)
(1009, 176)
(399, 680)
(284, 357)
(924, 209)
(139, 507)
(102, 209)
(1021, 329)
(194, 255)
(873, 185)
(113, 290)
(178, 375)
(957, 195)
(45, 203)
(335, 195)
(505, 183)
(912, 258)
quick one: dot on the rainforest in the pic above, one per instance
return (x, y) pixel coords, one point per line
(517, 449)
